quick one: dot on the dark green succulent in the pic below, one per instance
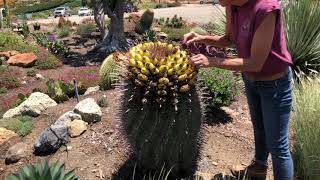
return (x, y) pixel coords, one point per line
(43, 171)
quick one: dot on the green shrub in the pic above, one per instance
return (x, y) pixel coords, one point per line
(176, 34)
(307, 128)
(25, 8)
(20, 99)
(50, 63)
(42, 171)
(85, 30)
(221, 85)
(61, 91)
(63, 32)
(31, 72)
(147, 5)
(9, 82)
(4, 68)
(21, 125)
(3, 90)
(11, 41)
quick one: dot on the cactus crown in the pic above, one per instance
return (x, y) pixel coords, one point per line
(161, 70)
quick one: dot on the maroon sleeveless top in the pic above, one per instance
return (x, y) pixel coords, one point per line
(245, 21)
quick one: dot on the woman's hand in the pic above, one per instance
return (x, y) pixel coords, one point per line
(201, 61)
(192, 37)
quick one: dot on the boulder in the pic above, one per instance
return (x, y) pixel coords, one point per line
(23, 60)
(36, 103)
(77, 127)
(92, 90)
(67, 117)
(16, 152)
(50, 140)
(39, 77)
(89, 110)
(8, 54)
(6, 134)
(5, 54)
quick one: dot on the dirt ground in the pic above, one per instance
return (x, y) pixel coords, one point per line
(101, 150)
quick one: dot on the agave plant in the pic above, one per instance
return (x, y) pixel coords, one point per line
(162, 108)
(303, 33)
(43, 171)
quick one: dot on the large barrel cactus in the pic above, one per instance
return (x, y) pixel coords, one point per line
(162, 109)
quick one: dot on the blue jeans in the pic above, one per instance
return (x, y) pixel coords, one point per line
(270, 104)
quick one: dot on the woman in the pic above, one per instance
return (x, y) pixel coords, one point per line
(255, 27)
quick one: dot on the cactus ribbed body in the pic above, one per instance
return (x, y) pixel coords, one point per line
(109, 71)
(162, 109)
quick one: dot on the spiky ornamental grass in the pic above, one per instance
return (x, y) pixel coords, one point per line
(302, 29)
(162, 109)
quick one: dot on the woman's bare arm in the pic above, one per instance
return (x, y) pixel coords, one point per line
(260, 49)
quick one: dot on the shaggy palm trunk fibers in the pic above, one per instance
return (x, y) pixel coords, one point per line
(162, 109)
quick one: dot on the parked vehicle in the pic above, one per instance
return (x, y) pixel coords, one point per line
(62, 11)
(209, 1)
(84, 12)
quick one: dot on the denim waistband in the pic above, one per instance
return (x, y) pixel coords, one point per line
(287, 76)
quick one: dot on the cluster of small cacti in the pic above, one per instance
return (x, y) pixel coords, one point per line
(161, 68)
(61, 91)
(145, 22)
(175, 22)
(162, 109)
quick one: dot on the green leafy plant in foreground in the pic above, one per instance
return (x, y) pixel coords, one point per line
(307, 128)
(43, 171)
(220, 84)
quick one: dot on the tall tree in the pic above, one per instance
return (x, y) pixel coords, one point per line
(115, 39)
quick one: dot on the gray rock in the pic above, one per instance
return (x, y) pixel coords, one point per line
(67, 117)
(33, 106)
(50, 140)
(162, 36)
(92, 90)
(89, 110)
(17, 152)
(39, 77)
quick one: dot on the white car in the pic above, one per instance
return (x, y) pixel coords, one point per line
(84, 12)
(209, 1)
(62, 11)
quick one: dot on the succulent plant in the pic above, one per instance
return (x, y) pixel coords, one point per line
(150, 35)
(109, 71)
(162, 108)
(43, 171)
